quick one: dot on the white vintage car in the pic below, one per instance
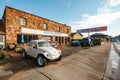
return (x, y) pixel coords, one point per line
(42, 51)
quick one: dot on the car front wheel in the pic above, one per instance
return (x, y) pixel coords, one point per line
(41, 61)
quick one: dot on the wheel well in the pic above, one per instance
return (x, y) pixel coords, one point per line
(42, 56)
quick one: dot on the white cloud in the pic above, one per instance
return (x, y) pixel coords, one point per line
(113, 3)
(103, 10)
(103, 16)
(101, 19)
(85, 15)
(107, 6)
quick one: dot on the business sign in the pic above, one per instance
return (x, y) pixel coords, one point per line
(102, 28)
(37, 32)
(83, 31)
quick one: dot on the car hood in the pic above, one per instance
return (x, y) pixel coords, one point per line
(50, 50)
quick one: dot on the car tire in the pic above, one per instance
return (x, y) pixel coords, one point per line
(41, 61)
(24, 54)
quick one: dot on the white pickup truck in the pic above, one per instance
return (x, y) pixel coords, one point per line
(42, 51)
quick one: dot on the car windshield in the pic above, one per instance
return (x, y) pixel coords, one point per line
(43, 44)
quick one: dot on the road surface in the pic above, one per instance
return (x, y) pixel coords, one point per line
(83, 64)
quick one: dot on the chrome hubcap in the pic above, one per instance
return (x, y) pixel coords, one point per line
(40, 61)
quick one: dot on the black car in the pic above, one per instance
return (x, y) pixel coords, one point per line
(96, 41)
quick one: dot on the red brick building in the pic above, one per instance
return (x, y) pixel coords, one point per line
(21, 27)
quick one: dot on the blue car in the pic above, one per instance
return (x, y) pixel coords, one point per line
(76, 43)
(85, 42)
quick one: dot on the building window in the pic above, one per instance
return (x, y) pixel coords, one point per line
(18, 38)
(26, 38)
(23, 21)
(67, 31)
(56, 38)
(59, 39)
(58, 29)
(45, 27)
(68, 39)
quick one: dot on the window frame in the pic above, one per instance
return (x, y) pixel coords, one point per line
(67, 31)
(45, 26)
(58, 29)
(23, 21)
(27, 38)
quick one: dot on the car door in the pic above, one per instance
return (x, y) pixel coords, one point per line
(34, 50)
(29, 49)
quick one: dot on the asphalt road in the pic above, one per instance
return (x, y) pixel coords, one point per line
(78, 64)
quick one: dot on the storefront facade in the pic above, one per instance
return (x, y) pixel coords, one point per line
(22, 27)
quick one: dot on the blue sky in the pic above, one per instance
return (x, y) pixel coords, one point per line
(78, 14)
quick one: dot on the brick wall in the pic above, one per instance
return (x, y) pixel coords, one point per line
(13, 26)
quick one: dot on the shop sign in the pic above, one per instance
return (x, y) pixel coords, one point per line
(37, 32)
(102, 28)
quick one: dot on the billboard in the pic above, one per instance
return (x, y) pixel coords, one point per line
(102, 28)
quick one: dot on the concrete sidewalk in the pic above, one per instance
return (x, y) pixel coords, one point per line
(85, 64)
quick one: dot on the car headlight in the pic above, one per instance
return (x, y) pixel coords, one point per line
(47, 54)
(59, 51)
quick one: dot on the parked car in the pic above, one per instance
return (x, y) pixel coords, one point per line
(85, 42)
(76, 43)
(42, 51)
(96, 41)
